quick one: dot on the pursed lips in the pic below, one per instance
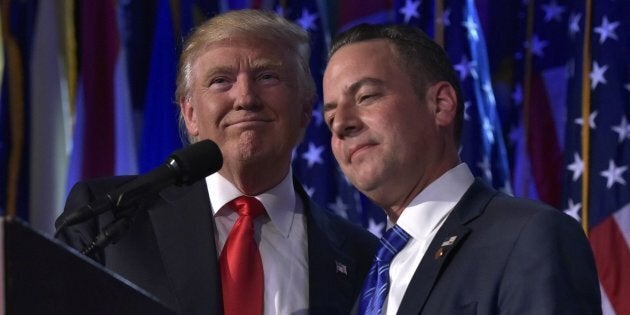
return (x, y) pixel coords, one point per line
(248, 120)
(358, 149)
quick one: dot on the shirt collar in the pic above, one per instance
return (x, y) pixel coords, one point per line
(432, 205)
(280, 201)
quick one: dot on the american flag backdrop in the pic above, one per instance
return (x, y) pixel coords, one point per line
(572, 97)
(546, 88)
(597, 152)
(483, 147)
(538, 101)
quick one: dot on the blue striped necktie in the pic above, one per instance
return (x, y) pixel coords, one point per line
(376, 284)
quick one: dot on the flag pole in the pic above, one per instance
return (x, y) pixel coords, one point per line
(527, 84)
(586, 111)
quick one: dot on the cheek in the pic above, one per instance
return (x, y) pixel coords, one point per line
(208, 118)
(201, 117)
(411, 121)
(336, 147)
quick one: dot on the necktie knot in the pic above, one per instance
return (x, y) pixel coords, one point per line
(391, 243)
(248, 206)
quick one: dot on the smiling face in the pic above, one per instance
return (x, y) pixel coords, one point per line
(386, 139)
(245, 97)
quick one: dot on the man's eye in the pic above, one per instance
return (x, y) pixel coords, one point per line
(366, 97)
(220, 83)
(268, 77)
(219, 80)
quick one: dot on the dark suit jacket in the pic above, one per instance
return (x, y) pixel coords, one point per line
(508, 256)
(170, 249)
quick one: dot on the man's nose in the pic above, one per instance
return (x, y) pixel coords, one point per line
(246, 96)
(347, 121)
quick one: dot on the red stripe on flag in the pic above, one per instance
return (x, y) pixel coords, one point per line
(98, 59)
(612, 257)
(357, 9)
(542, 144)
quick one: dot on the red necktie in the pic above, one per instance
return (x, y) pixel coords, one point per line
(241, 265)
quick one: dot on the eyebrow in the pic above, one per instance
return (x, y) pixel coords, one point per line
(218, 69)
(257, 65)
(352, 89)
(262, 64)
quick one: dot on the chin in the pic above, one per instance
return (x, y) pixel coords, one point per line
(366, 176)
(365, 186)
(249, 155)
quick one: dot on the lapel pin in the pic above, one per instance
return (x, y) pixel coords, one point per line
(341, 268)
(450, 241)
(442, 250)
(439, 253)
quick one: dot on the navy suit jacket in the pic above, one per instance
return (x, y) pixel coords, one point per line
(170, 250)
(497, 254)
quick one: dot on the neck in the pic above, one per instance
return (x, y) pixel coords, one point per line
(253, 180)
(396, 207)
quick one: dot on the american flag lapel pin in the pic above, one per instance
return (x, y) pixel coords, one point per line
(442, 250)
(341, 268)
(450, 241)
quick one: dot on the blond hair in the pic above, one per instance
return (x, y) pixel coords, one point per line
(258, 24)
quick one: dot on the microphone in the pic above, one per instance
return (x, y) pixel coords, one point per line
(183, 167)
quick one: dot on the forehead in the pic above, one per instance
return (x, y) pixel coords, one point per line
(371, 54)
(366, 59)
(249, 50)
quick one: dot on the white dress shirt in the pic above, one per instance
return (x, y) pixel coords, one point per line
(281, 238)
(422, 218)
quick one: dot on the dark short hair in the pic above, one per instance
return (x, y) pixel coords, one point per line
(424, 60)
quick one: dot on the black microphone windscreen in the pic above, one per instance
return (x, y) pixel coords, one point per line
(198, 160)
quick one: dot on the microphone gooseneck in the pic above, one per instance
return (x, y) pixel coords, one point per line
(183, 167)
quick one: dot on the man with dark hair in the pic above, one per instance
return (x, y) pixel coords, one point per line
(455, 245)
(247, 239)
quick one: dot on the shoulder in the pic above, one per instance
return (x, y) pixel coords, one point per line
(341, 232)
(99, 185)
(532, 213)
(336, 227)
(545, 240)
(531, 227)
(338, 224)
(485, 204)
(484, 207)
(85, 191)
(82, 194)
(513, 219)
(352, 229)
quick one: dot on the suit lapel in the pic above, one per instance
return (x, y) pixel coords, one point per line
(185, 236)
(184, 232)
(444, 247)
(331, 271)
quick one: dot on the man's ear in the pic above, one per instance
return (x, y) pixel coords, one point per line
(444, 99)
(189, 115)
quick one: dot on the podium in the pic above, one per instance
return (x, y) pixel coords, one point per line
(40, 275)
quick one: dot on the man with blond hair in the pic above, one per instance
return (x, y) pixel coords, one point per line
(247, 239)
